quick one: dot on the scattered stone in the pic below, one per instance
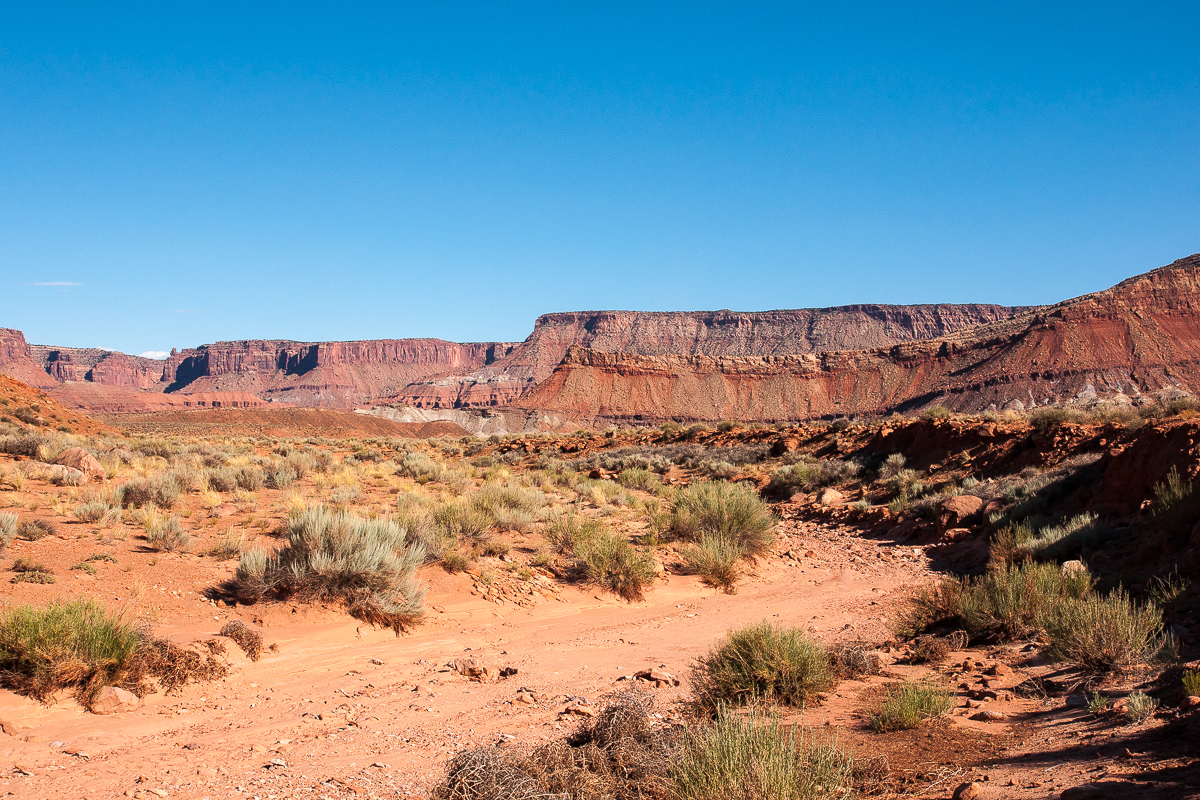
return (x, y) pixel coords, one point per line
(969, 791)
(1071, 567)
(998, 669)
(380, 765)
(989, 716)
(376, 662)
(579, 709)
(1076, 701)
(275, 762)
(114, 700)
(508, 672)
(10, 727)
(470, 668)
(660, 679)
(1190, 702)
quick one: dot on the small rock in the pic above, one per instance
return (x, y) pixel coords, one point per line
(377, 662)
(969, 791)
(1190, 702)
(998, 669)
(275, 762)
(10, 727)
(114, 700)
(508, 672)
(989, 716)
(1076, 701)
(830, 497)
(580, 709)
(380, 765)
(1071, 567)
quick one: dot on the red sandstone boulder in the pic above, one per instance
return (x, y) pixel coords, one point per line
(80, 459)
(955, 511)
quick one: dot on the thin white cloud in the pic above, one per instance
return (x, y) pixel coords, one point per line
(157, 355)
(54, 283)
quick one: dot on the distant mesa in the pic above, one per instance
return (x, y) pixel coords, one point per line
(1124, 344)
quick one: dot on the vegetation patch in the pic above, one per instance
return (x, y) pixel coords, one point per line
(334, 556)
(761, 662)
(910, 703)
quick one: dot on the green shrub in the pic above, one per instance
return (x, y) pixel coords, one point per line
(571, 533)
(756, 757)
(251, 478)
(1172, 490)
(910, 703)
(1008, 602)
(935, 412)
(761, 662)
(30, 571)
(461, 520)
(222, 479)
(716, 559)
(66, 644)
(639, 478)
(1102, 634)
(809, 475)
(96, 511)
(610, 561)
(1097, 704)
(335, 556)
(1140, 706)
(281, 476)
(730, 510)
(455, 561)
(1191, 683)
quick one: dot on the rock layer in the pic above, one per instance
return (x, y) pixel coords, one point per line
(1140, 337)
(687, 333)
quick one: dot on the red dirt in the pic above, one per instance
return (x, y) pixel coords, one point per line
(52, 415)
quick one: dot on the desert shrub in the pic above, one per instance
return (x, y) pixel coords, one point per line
(854, 659)
(66, 644)
(335, 556)
(300, 464)
(251, 478)
(1045, 419)
(8, 528)
(186, 478)
(344, 496)
(1071, 537)
(809, 475)
(29, 571)
(935, 412)
(756, 757)
(1097, 704)
(1102, 634)
(461, 521)
(910, 703)
(222, 479)
(717, 470)
(231, 545)
(454, 561)
(30, 445)
(571, 533)
(494, 547)
(34, 529)
(1191, 683)
(1166, 589)
(421, 468)
(730, 510)
(622, 756)
(1140, 706)
(95, 511)
(892, 466)
(716, 559)
(281, 476)
(639, 478)
(161, 491)
(155, 448)
(1172, 490)
(164, 534)
(761, 662)
(1008, 602)
(249, 640)
(930, 649)
(513, 519)
(610, 561)
(493, 498)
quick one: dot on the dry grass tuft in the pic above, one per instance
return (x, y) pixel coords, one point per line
(249, 640)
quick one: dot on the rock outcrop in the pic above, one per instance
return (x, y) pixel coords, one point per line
(1142, 337)
(688, 333)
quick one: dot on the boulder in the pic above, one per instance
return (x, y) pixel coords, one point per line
(969, 791)
(954, 512)
(1069, 568)
(82, 460)
(830, 497)
(114, 700)
(10, 727)
(470, 668)
(659, 678)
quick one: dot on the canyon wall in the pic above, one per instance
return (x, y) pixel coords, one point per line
(684, 333)
(1142, 337)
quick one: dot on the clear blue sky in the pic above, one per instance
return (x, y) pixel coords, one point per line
(350, 171)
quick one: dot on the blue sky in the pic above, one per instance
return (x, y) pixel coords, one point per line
(359, 171)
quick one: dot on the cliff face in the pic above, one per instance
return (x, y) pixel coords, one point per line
(1140, 337)
(98, 366)
(17, 362)
(331, 374)
(685, 333)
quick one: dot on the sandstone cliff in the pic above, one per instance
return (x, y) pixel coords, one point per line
(686, 333)
(1138, 338)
